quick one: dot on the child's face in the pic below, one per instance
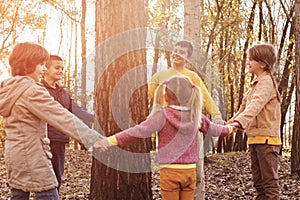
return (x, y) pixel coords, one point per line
(256, 67)
(55, 71)
(179, 55)
(38, 72)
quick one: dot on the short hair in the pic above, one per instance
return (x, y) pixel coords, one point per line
(25, 57)
(265, 53)
(53, 58)
(186, 44)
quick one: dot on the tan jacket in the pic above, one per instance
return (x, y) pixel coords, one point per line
(27, 108)
(260, 112)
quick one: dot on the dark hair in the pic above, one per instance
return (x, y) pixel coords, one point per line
(186, 44)
(53, 58)
(25, 57)
(263, 53)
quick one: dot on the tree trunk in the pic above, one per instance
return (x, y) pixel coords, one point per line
(83, 55)
(295, 157)
(121, 100)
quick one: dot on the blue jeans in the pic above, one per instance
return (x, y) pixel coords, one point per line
(58, 150)
(45, 195)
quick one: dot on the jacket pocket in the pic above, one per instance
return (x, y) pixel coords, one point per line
(46, 147)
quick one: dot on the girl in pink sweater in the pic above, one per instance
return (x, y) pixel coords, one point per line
(177, 126)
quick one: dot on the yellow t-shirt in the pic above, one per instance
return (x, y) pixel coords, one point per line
(161, 76)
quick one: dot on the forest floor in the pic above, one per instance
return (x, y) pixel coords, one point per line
(227, 177)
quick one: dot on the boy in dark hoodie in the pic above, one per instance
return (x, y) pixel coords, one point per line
(58, 140)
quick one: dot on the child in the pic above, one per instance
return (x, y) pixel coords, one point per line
(26, 108)
(177, 125)
(58, 140)
(260, 116)
(181, 53)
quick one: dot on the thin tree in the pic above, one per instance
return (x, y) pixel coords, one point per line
(83, 54)
(295, 157)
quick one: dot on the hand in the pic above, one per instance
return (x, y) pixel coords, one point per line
(219, 121)
(235, 124)
(234, 129)
(101, 144)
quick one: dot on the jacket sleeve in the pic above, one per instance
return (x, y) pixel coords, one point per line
(145, 129)
(241, 109)
(44, 107)
(258, 101)
(85, 116)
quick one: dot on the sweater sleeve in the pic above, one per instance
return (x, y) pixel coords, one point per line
(213, 129)
(145, 129)
(85, 116)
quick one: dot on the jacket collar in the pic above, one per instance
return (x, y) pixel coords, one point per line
(258, 78)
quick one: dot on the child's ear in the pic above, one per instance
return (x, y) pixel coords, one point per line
(263, 65)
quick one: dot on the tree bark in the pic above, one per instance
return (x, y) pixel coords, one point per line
(121, 100)
(83, 55)
(295, 156)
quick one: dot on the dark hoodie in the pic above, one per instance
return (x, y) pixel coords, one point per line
(63, 97)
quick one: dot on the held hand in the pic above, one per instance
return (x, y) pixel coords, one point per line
(234, 129)
(102, 144)
(219, 121)
(235, 124)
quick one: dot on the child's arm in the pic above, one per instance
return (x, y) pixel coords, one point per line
(210, 128)
(143, 130)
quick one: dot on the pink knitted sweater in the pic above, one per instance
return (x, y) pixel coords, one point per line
(177, 136)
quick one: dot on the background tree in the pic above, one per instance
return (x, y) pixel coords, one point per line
(295, 157)
(83, 54)
(121, 100)
(16, 18)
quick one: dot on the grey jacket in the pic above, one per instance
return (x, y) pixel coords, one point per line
(27, 108)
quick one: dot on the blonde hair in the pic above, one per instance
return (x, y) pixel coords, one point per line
(180, 91)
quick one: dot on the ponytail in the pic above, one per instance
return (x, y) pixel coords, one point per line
(275, 86)
(196, 103)
(158, 99)
(183, 92)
